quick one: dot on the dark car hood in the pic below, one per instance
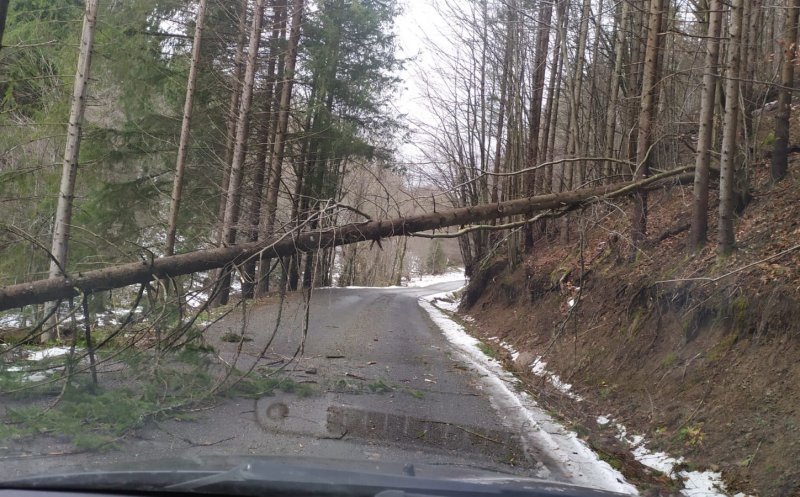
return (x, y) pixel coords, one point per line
(250, 476)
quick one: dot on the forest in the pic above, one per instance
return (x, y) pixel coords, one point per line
(275, 118)
(162, 159)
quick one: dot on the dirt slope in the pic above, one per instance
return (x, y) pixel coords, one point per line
(705, 369)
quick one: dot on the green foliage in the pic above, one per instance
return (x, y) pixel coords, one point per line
(255, 386)
(487, 350)
(93, 418)
(379, 386)
(132, 123)
(232, 337)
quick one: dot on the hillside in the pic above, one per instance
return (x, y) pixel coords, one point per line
(696, 353)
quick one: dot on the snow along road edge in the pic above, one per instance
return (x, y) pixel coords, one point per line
(520, 412)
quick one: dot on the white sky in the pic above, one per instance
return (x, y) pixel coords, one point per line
(419, 21)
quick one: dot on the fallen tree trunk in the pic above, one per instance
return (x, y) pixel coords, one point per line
(37, 292)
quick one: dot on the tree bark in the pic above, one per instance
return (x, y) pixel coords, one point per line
(535, 117)
(726, 237)
(3, 15)
(63, 216)
(647, 109)
(183, 144)
(780, 154)
(232, 206)
(233, 108)
(616, 82)
(705, 137)
(276, 169)
(267, 134)
(41, 291)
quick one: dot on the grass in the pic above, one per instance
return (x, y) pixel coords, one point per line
(379, 387)
(95, 418)
(487, 350)
(232, 337)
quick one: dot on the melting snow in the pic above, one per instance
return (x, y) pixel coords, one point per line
(539, 368)
(696, 483)
(521, 413)
(603, 420)
(38, 355)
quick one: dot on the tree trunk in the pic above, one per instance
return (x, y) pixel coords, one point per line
(37, 292)
(233, 108)
(180, 162)
(616, 81)
(705, 137)
(63, 216)
(535, 117)
(267, 134)
(276, 169)
(780, 154)
(502, 104)
(232, 206)
(647, 109)
(726, 237)
(3, 15)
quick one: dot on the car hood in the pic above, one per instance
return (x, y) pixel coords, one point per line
(250, 476)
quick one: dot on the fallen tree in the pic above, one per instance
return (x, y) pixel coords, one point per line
(41, 291)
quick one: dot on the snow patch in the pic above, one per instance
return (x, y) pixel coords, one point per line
(521, 413)
(10, 321)
(539, 368)
(695, 483)
(38, 355)
(603, 420)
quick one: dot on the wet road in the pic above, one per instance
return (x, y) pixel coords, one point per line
(389, 387)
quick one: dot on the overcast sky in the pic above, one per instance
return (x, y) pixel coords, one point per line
(419, 21)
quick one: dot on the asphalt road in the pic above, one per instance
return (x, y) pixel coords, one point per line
(388, 387)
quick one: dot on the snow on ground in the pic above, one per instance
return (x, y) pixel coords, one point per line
(10, 321)
(421, 281)
(424, 280)
(696, 483)
(38, 355)
(539, 368)
(521, 413)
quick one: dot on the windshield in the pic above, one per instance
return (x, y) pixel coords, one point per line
(509, 243)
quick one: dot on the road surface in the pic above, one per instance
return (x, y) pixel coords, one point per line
(389, 387)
